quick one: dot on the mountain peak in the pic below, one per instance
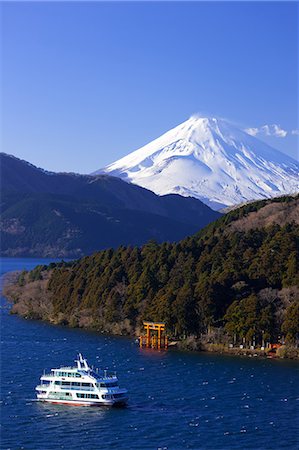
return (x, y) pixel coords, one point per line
(210, 159)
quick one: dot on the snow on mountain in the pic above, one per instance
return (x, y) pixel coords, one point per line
(212, 160)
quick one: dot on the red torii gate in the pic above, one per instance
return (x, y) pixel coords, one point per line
(159, 340)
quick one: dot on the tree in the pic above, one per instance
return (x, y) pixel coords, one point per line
(290, 325)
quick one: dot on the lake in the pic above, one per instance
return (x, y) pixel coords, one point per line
(177, 400)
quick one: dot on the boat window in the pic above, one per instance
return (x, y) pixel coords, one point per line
(61, 374)
(78, 375)
(75, 383)
(65, 383)
(108, 385)
(58, 382)
(87, 395)
(87, 384)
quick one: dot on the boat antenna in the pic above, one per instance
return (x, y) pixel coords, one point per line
(83, 362)
(78, 361)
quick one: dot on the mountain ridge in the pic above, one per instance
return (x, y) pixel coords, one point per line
(212, 160)
(69, 215)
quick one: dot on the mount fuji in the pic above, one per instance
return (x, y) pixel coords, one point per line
(212, 160)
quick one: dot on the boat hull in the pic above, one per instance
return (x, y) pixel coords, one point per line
(121, 402)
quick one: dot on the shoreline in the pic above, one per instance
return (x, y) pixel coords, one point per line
(179, 345)
(42, 313)
(286, 352)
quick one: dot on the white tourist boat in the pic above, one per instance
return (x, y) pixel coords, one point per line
(81, 385)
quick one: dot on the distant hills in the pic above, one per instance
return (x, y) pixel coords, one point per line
(212, 160)
(68, 215)
(236, 280)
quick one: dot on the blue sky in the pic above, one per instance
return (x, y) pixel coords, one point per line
(86, 83)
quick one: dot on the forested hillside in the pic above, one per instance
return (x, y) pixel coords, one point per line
(230, 280)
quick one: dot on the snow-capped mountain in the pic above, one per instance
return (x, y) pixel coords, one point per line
(212, 160)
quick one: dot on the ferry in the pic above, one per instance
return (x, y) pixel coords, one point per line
(81, 386)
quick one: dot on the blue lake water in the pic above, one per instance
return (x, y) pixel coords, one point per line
(177, 400)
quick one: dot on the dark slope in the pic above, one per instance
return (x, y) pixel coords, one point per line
(49, 214)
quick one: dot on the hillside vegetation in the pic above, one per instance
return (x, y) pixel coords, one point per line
(234, 281)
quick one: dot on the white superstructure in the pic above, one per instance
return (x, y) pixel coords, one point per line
(81, 385)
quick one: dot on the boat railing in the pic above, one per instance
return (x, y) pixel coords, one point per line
(75, 388)
(104, 374)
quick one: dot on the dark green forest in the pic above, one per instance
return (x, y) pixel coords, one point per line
(240, 285)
